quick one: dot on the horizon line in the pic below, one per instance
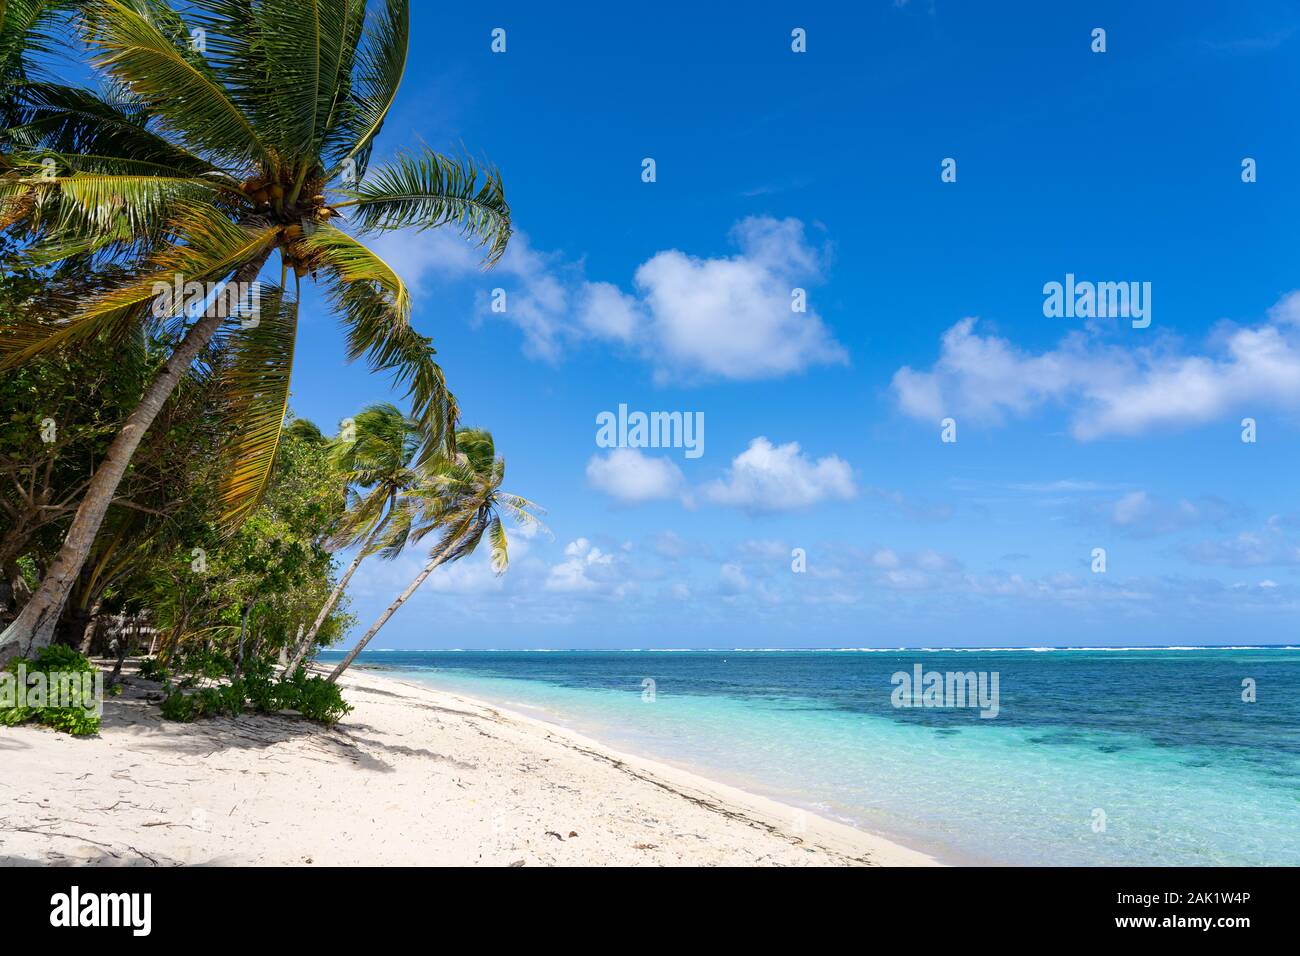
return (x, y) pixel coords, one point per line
(849, 650)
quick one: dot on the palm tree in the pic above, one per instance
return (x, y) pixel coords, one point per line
(213, 156)
(463, 499)
(27, 33)
(378, 467)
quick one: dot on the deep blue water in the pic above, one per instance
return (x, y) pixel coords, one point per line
(1146, 756)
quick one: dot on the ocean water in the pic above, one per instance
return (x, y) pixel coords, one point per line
(1095, 757)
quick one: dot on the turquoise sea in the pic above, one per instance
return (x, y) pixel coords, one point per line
(1096, 757)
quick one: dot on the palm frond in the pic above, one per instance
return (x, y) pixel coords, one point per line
(305, 65)
(94, 202)
(460, 535)
(427, 190)
(369, 91)
(397, 534)
(67, 120)
(496, 534)
(172, 81)
(351, 261)
(28, 32)
(213, 247)
(389, 344)
(253, 382)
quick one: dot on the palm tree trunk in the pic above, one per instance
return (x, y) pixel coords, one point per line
(92, 625)
(34, 626)
(301, 650)
(388, 612)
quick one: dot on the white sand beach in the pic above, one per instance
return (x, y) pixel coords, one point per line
(413, 776)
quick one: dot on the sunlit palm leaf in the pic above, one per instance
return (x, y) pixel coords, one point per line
(350, 261)
(368, 93)
(426, 190)
(390, 344)
(174, 84)
(304, 65)
(253, 382)
(500, 551)
(214, 248)
(97, 201)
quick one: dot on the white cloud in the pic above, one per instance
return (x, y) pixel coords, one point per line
(419, 257)
(1141, 515)
(731, 318)
(606, 312)
(766, 549)
(766, 478)
(586, 569)
(1110, 390)
(629, 476)
(732, 580)
(538, 299)
(689, 317)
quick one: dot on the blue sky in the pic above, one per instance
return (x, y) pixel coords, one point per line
(821, 171)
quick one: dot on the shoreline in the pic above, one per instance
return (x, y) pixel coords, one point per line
(413, 776)
(709, 777)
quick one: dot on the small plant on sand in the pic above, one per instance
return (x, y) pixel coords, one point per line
(153, 669)
(313, 697)
(55, 689)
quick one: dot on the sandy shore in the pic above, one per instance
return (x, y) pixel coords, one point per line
(412, 776)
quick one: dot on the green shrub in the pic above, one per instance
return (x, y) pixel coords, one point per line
(60, 667)
(152, 669)
(321, 701)
(182, 707)
(264, 694)
(313, 697)
(210, 664)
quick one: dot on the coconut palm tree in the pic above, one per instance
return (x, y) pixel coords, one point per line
(463, 500)
(376, 457)
(241, 130)
(27, 33)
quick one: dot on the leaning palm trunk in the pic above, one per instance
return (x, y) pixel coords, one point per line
(389, 611)
(33, 628)
(301, 651)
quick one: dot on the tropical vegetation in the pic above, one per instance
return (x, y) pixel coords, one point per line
(157, 494)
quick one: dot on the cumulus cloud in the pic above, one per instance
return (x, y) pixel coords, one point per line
(731, 317)
(726, 317)
(767, 478)
(420, 258)
(586, 568)
(538, 297)
(1110, 390)
(631, 477)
